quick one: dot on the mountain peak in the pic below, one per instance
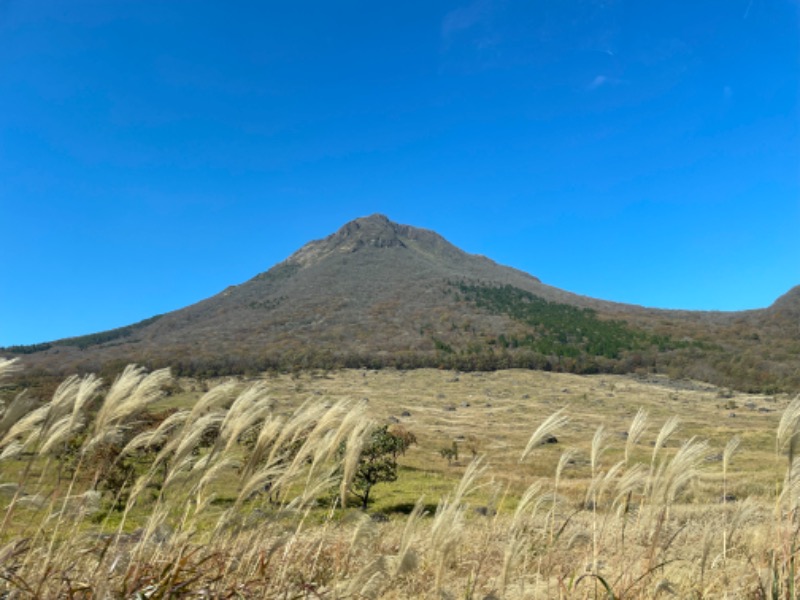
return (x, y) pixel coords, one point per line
(375, 231)
(788, 304)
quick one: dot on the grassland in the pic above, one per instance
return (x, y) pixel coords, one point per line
(623, 502)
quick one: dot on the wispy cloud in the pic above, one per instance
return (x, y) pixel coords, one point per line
(464, 17)
(603, 80)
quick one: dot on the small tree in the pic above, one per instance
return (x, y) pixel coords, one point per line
(473, 444)
(451, 453)
(378, 461)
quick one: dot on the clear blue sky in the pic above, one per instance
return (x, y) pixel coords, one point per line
(153, 153)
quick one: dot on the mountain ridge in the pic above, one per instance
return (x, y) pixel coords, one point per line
(378, 293)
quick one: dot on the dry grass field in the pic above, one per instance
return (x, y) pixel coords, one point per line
(565, 486)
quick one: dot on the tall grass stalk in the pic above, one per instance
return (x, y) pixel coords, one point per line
(552, 423)
(727, 455)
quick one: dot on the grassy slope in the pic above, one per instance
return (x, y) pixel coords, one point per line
(506, 406)
(500, 410)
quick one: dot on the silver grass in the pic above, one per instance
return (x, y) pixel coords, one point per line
(370, 581)
(564, 460)
(788, 425)
(178, 468)
(467, 485)
(7, 552)
(635, 431)
(406, 557)
(578, 539)
(87, 390)
(314, 488)
(32, 500)
(683, 467)
(664, 434)
(212, 399)
(191, 439)
(364, 532)
(64, 397)
(113, 435)
(514, 547)
(354, 445)
(320, 470)
(445, 535)
(608, 480)
(258, 481)
(730, 450)
(790, 492)
(707, 541)
(65, 418)
(374, 579)
(245, 409)
(270, 430)
(745, 510)
(324, 449)
(142, 440)
(130, 393)
(21, 405)
(634, 478)
(296, 428)
(122, 388)
(667, 429)
(597, 448)
(328, 421)
(57, 433)
(158, 435)
(211, 475)
(27, 425)
(245, 420)
(136, 490)
(786, 440)
(551, 424)
(208, 462)
(277, 470)
(448, 522)
(321, 442)
(202, 502)
(525, 503)
(179, 449)
(11, 450)
(158, 517)
(353, 419)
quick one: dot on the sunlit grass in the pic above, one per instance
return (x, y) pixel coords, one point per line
(616, 501)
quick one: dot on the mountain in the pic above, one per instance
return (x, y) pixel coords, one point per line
(376, 293)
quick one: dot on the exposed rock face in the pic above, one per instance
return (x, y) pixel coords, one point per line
(375, 231)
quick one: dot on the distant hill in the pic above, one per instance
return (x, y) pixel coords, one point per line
(376, 293)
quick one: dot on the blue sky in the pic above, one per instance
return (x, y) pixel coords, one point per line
(153, 153)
